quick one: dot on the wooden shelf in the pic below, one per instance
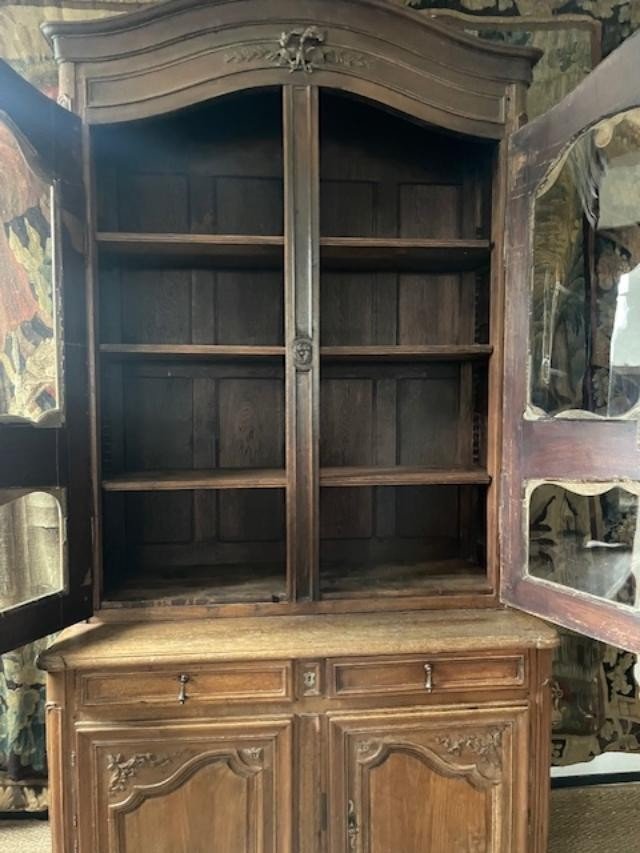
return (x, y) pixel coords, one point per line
(186, 351)
(402, 253)
(168, 481)
(407, 353)
(402, 475)
(257, 251)
(276, 478)
(219, 250)
(203, 585)
(440, 577)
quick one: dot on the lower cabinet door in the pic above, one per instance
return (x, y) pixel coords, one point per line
(192, 788)
(425, 781)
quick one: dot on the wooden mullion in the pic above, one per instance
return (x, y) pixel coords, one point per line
(301, 185)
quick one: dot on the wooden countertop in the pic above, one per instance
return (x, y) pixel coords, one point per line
(101, 645)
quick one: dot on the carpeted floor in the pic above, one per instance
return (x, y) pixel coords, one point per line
(583, 820)
(24, 836)
(596, 819)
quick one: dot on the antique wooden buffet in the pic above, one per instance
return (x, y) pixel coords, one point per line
(295, 365)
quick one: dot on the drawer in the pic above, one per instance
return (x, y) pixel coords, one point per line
(240, 682)
(374, 676)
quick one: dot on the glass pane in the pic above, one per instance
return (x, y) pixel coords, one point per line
(29, 313)
(585, 333)
(32, 546)
(586, 538)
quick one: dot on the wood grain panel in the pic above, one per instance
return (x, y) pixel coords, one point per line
(249, 308)
(357, 308)
(346, 440)
(382, 176)
(433, 804)
(429, 210)
(436, 309)
(251, 515)
(158, 422)
(216, 170)
(155, 306)
(427, 411)
(251, 417)
(152, 202)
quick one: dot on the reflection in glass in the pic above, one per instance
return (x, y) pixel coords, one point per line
(585, 316)
(586, 538)
(29, 362)
(31, 546)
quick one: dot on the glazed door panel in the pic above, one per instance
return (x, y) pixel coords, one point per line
(45, 488)
(571, 458)
(429, 782)
(186, 789)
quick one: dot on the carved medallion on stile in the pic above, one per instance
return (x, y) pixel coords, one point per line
(300, 49)
(302, 353)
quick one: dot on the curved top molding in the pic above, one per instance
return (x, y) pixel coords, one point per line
(184, 51)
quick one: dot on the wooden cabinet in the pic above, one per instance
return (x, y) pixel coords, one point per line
(260, 743)
(282, 275)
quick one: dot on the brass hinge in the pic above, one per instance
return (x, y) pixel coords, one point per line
(75, 821)
(72, 758)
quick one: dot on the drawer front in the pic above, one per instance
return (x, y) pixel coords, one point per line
(250, 682)
(373, 676)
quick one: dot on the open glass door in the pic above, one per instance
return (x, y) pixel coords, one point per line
(45, 497)
(570, 518)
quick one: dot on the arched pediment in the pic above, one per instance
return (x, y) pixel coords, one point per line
(185, 51)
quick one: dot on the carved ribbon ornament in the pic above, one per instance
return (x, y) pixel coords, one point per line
(300, 49)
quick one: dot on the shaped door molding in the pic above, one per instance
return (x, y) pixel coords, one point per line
(461, 771)
(178, 784)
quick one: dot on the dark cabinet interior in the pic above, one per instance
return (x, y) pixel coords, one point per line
(193, 349)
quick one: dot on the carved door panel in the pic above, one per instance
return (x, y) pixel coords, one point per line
(429, 782)
(199, 788)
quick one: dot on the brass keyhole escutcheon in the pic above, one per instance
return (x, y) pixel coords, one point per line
(182, 695)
